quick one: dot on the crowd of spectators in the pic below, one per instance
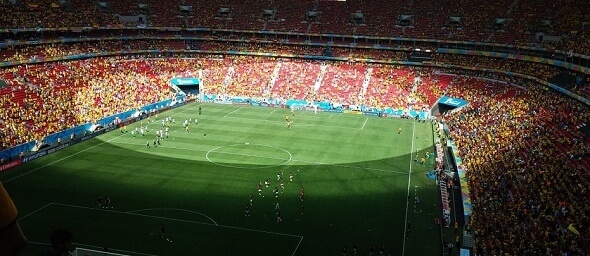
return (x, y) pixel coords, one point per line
(539, 70)
(525, 162)
(87, 90)
(252, 77)
(514, 141)
(296, 79)
(40, 52)
(342, 82)
(53, 14)
(390, 86)
(48, 98)
(431, 86)
(386, 86)
(503, 21)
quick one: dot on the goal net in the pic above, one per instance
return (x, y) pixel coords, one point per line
(88, 252)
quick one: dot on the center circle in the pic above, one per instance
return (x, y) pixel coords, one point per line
(237, 155)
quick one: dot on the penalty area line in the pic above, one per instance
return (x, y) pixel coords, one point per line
(179, 220)
(226, 115)
(300, 240)
(175, 209)
(96, 247)
(35, 211)
(365, 123)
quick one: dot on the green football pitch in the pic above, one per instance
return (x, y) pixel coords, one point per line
(358, 174)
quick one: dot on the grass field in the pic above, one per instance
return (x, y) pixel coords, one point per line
(357, 172)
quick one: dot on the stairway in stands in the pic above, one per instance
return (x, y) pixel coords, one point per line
(467, 240)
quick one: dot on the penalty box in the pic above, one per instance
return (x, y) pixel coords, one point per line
(138, 232)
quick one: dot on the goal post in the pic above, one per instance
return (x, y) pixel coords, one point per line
(89, 252)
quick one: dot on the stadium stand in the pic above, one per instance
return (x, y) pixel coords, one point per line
(388, 87)
(511, 22)
(71, 93)
(252, 77)
(526, 157)
(525, 197)
(342, 83)
(296, 79)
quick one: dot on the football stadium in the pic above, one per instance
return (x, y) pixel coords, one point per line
(294, 127)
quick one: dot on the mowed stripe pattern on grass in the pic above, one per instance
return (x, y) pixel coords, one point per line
(342, 162)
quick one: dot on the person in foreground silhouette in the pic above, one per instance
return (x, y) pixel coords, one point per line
(12, 239)
(61, 243)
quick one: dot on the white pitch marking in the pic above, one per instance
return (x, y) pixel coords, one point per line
(297, 246)
(61, 159)
(365, 123)
(273, 158)
(35, 211)
(226, 115)
(175, 209)
(97, 247)
(320, 125)
(233, 166)
(179, 220)
(408, 194)
(77, 153)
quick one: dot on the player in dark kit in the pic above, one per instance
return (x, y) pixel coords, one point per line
(107, 203)
(301, 194)
(163, 230)
(99, 200)
(199, 110)
(279, 217)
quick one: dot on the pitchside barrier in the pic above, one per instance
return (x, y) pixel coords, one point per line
(323, 106)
